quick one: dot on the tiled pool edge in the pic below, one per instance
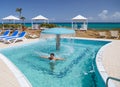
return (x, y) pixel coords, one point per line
(100, 66)
(18, 74)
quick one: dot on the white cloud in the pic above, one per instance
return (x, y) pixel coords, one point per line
(90, 18)
(103, 15)
(116, 15)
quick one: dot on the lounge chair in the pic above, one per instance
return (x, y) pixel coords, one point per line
(15, 39)
(35, 26)
(102, 34)
(83, 27)
(33, 36)
(114, 34)
(14, 34)
(6, 33)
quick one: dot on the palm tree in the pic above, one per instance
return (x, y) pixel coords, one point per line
(19, 10)
(23, 19)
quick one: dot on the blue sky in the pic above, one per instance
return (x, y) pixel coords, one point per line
(64, 10)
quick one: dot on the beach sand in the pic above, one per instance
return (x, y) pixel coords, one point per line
(95, 34)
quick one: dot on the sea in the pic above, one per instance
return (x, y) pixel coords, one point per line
(91, 25)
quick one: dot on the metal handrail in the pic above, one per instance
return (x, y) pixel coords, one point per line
(113, 78)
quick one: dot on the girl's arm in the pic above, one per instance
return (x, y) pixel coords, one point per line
(44, 57)
(60, 59)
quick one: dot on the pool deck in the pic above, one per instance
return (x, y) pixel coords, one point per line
(110, 60)
(7, 71)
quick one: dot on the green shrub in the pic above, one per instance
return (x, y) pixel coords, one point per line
(48, 25)
(11, 25)
(1, 26)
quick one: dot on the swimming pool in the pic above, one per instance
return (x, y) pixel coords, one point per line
(78, 69)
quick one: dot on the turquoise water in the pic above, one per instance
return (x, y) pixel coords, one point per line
(96, 25)
(91, 25)
(77, 70)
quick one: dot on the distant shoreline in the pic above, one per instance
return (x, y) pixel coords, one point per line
(91, 25)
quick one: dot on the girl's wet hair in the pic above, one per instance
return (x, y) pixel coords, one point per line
(52, 54)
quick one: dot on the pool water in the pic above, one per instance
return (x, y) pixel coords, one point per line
(77, 70)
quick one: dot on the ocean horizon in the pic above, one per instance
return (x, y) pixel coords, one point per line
(91, 25)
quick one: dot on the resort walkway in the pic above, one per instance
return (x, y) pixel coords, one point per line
(7, 78)
(111, 60)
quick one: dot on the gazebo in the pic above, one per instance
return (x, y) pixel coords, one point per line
(80, 18)
(37, 18)
(10, 18)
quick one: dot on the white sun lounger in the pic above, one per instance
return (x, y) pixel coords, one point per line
(102, 34)
(114, 34)
(83, 27)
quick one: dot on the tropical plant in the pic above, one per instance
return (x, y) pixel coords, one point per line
(20, 15)
(1, 25)
(48, 25)
(19, 10)
(23, 19)
(12, 26)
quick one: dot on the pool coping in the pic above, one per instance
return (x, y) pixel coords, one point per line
(100, 65)
(22, 80)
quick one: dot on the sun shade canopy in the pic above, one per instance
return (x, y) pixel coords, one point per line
(40, 17)
(79, 18)
(11, 17)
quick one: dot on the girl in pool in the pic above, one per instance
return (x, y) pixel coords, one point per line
(52, 60)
